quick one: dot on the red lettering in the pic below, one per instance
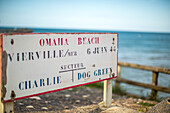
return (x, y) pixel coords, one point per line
(89, 41)
(61, 41)
(66, 43)
(54, 42)
(84, 39)
(58, 41)
(79, 41)
(97, 40)
(48, 41)
(42, 42)
(92, 41)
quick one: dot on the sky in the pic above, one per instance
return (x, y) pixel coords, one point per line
(122, 15)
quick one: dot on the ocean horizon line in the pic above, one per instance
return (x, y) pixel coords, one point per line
(84, 30)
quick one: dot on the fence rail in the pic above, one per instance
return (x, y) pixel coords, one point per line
(155, 73)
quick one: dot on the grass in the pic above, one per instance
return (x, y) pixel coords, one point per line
(146, 104)
(145, 107)
(100, 85)
(118, 91)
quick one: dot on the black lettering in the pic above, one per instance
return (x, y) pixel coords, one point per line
(31, 57)
(105, 49)
(34, 84)
(49, 56)
(11, 56)
(20, 85)
(17, 56)
(53, 80)
(58, 79)
(42, 82)
(38, 55)
(44, 54)
(48, 82)
(24, 58)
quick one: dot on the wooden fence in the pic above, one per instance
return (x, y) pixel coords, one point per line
(155, 72)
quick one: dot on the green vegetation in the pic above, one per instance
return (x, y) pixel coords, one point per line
(156, 99)
(100, 85)
(143, 109)
(118, 91)
(146, 104)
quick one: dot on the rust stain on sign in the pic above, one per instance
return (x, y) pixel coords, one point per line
(4, 77)
(13, 95)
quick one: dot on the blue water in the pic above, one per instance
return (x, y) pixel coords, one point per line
(151, 49)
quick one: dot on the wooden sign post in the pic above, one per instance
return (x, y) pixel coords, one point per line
(107, 93)
(39, 63)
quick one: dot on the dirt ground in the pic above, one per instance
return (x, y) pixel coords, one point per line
(79, 100)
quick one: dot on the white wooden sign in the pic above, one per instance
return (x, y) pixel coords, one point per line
(40, 63)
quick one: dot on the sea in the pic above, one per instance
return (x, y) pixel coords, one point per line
(145, 48)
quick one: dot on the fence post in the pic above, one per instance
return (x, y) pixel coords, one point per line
(154, 82)
(107, 96)
(117, 83)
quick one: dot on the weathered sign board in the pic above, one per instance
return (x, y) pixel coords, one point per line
(39, 63)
